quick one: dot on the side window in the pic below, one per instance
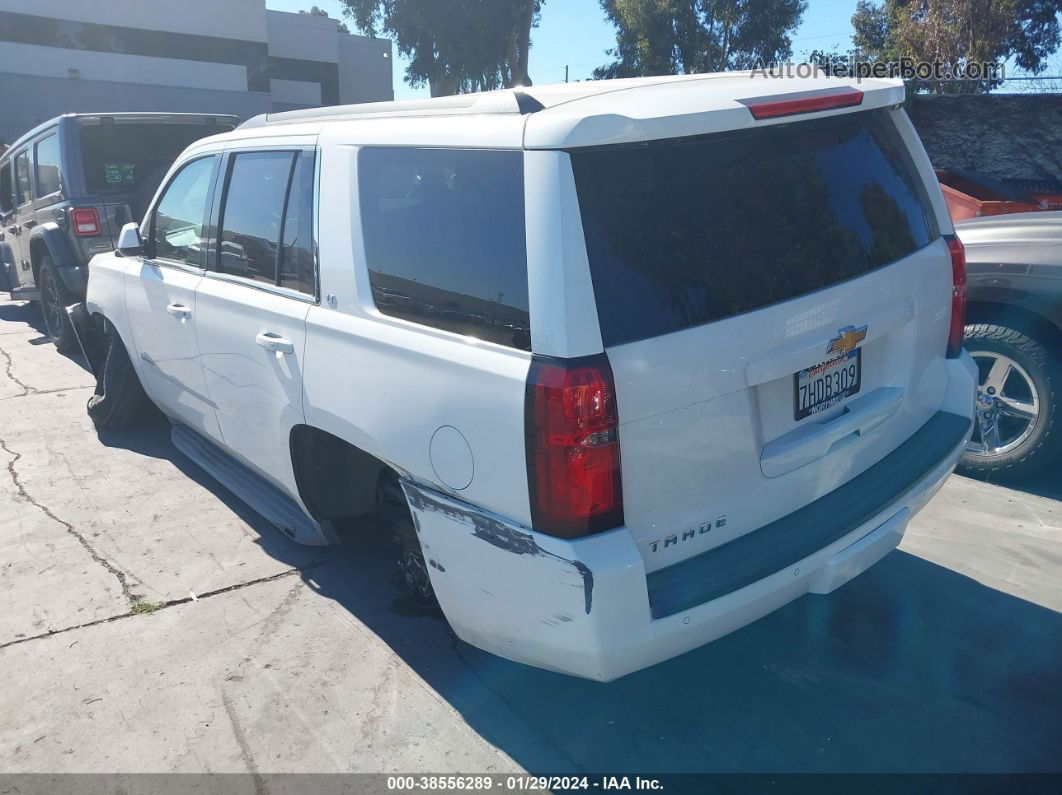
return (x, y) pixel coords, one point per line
(296, 253)
(253, 213)
(7, 189)
(47, 163)
(22, 178)
(177, 221)
(445, 239)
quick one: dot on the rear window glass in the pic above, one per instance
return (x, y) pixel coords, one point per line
(444, 239)
(121, 156)
(684, 232)
(253, 212)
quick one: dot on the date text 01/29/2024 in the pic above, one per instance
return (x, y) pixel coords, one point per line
(827, 384)
(486, 783)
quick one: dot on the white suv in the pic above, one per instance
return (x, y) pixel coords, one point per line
(640, 360)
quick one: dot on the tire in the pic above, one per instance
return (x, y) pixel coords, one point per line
(1020, 395)
(55, 298)
(412, 565)
(119, 401)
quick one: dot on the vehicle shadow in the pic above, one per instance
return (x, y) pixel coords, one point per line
(911, 667)
(151, 438)
(27, 313)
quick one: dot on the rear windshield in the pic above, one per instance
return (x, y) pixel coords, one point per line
(684, 232)
(119, 157)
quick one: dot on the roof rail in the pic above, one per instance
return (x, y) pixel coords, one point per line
(490, 102)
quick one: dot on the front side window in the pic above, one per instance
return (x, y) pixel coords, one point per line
(253, 214)
(178, 219)
(445, 239)
(23, 191)
(48, 165)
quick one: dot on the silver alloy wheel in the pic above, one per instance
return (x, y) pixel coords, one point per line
(1007, 405)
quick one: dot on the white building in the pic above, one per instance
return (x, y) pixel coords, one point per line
(214, 56)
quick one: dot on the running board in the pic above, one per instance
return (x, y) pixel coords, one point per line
(261, 495)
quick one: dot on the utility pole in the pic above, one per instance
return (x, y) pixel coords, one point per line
(565, 73)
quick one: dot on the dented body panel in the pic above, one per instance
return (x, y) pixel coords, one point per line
(582, 606)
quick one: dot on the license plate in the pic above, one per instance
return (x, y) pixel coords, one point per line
(825, 385)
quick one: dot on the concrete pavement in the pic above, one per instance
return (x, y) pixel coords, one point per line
(149, 622)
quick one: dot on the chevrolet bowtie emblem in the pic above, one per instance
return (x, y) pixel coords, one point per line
(847, 339)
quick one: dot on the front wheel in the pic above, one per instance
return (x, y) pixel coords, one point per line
(55, 298)
(1016, 432)
(119, 401)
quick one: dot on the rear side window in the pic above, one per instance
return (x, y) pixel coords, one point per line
(23, 190)
(177, 223)
(684, 232)
(7, 188)
(444, 239)
(266, 217)
(48, 164)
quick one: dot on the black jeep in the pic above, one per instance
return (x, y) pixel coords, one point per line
(66, 189)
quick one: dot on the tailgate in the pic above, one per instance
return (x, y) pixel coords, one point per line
(775, 307)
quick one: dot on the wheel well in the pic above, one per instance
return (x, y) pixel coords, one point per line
(1018, 318)
(336, 480)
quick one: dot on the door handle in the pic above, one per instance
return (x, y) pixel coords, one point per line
(13, 229)
(29, 224)
(179, 311)
(274, 342)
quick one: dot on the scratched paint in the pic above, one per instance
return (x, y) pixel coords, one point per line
(492, 530)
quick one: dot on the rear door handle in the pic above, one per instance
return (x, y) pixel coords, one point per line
(179, 311)
(30, 224)
(274, 342)
(13, 229)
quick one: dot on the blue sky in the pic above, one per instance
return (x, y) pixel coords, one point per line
(575, 32)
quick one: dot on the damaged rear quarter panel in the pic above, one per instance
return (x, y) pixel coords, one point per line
(505, 588)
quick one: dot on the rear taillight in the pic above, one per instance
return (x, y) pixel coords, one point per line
(958, 295)
(573, 452)
(86, 222)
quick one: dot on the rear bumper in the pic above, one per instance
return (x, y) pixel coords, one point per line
(588, 608)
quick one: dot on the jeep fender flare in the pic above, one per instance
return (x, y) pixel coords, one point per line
(55, 243)
(7, 268)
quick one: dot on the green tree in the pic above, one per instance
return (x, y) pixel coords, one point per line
(454, 46)
(957, 33)
(655, 37)
(316, 11)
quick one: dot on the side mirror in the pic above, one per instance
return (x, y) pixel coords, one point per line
(130, 244)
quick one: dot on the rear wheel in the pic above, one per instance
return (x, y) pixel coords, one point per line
(411, 563)
(391, 506)
(119, 401)
(1019, 392)
(55, 298)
